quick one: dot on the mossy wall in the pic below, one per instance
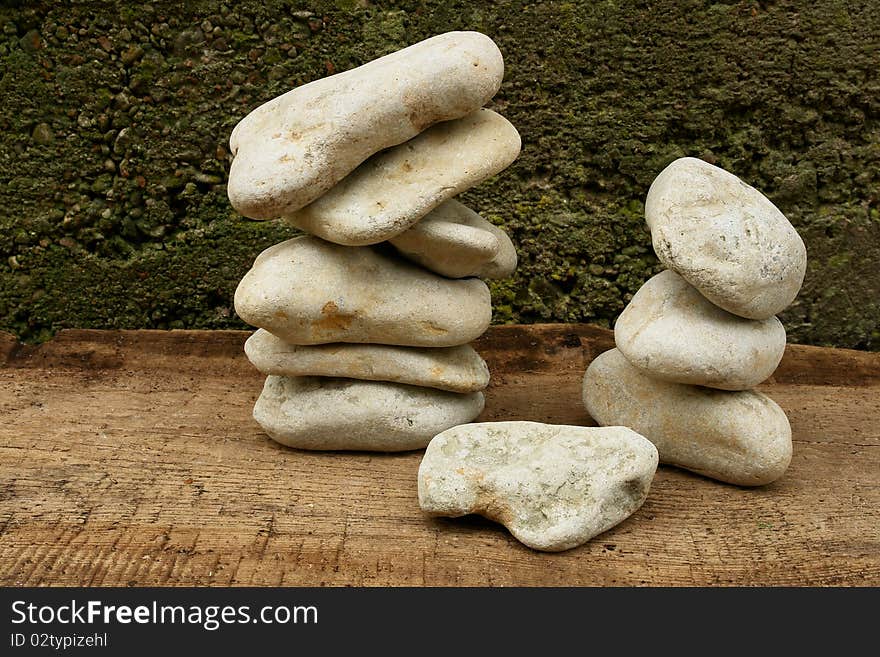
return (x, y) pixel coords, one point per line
(115, 119)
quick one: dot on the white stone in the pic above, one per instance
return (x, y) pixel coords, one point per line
(553, 486)
(738, 437)
(332, 414)
(394, 189)
(453, 240)
(725, 238)
(456, 369)
(292, 149)
(672, 332)
(307, 291)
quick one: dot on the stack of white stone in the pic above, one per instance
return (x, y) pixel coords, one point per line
(696, 338)
(364, 324)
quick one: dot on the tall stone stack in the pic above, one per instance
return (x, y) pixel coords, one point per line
(364, 324)
(697, 337)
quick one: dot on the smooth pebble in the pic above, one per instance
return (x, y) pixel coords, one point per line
(738, 437)
(456, 369)
(325, 413)
(725, 238)
(308, 291)
(452, 240)
(392, 190)
(294, 148)
(672, 332)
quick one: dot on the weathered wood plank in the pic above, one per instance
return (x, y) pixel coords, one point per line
(131, 457)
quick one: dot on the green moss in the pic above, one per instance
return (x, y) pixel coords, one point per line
(113, 209)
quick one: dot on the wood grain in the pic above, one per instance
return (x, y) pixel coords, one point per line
(131, 458)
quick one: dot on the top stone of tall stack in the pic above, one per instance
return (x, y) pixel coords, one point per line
(291, 150)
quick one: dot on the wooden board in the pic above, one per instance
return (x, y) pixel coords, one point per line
(131, 458)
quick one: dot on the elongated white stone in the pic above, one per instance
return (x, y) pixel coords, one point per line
(453, 240)
(553, 486)
(672, 332)
(330, 413)
(394, 189)
(738, 437)
(725, 238)
(308, 291)
(457, 369)
(292, 149)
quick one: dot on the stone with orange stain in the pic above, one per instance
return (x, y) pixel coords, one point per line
(553, 486)
(453, 240)
(392, 190)
(333, 319)
(292, 149)
(740, 437)
(456, 369)
(307, 291)
(672, 332)
(327, 413)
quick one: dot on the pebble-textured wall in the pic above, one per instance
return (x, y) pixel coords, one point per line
(115, 119)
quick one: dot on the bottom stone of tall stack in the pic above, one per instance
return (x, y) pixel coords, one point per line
(330, 413)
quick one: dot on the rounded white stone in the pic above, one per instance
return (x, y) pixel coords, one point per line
(394, 189)
(553, 486)
(738, 437)
(457, 369)
(672, 332)
(308, 291)
(332, 414)
(725, 238)
(292, 149)
(453, 240)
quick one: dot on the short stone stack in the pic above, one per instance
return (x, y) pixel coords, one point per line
(696, 338)
(364, 324)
